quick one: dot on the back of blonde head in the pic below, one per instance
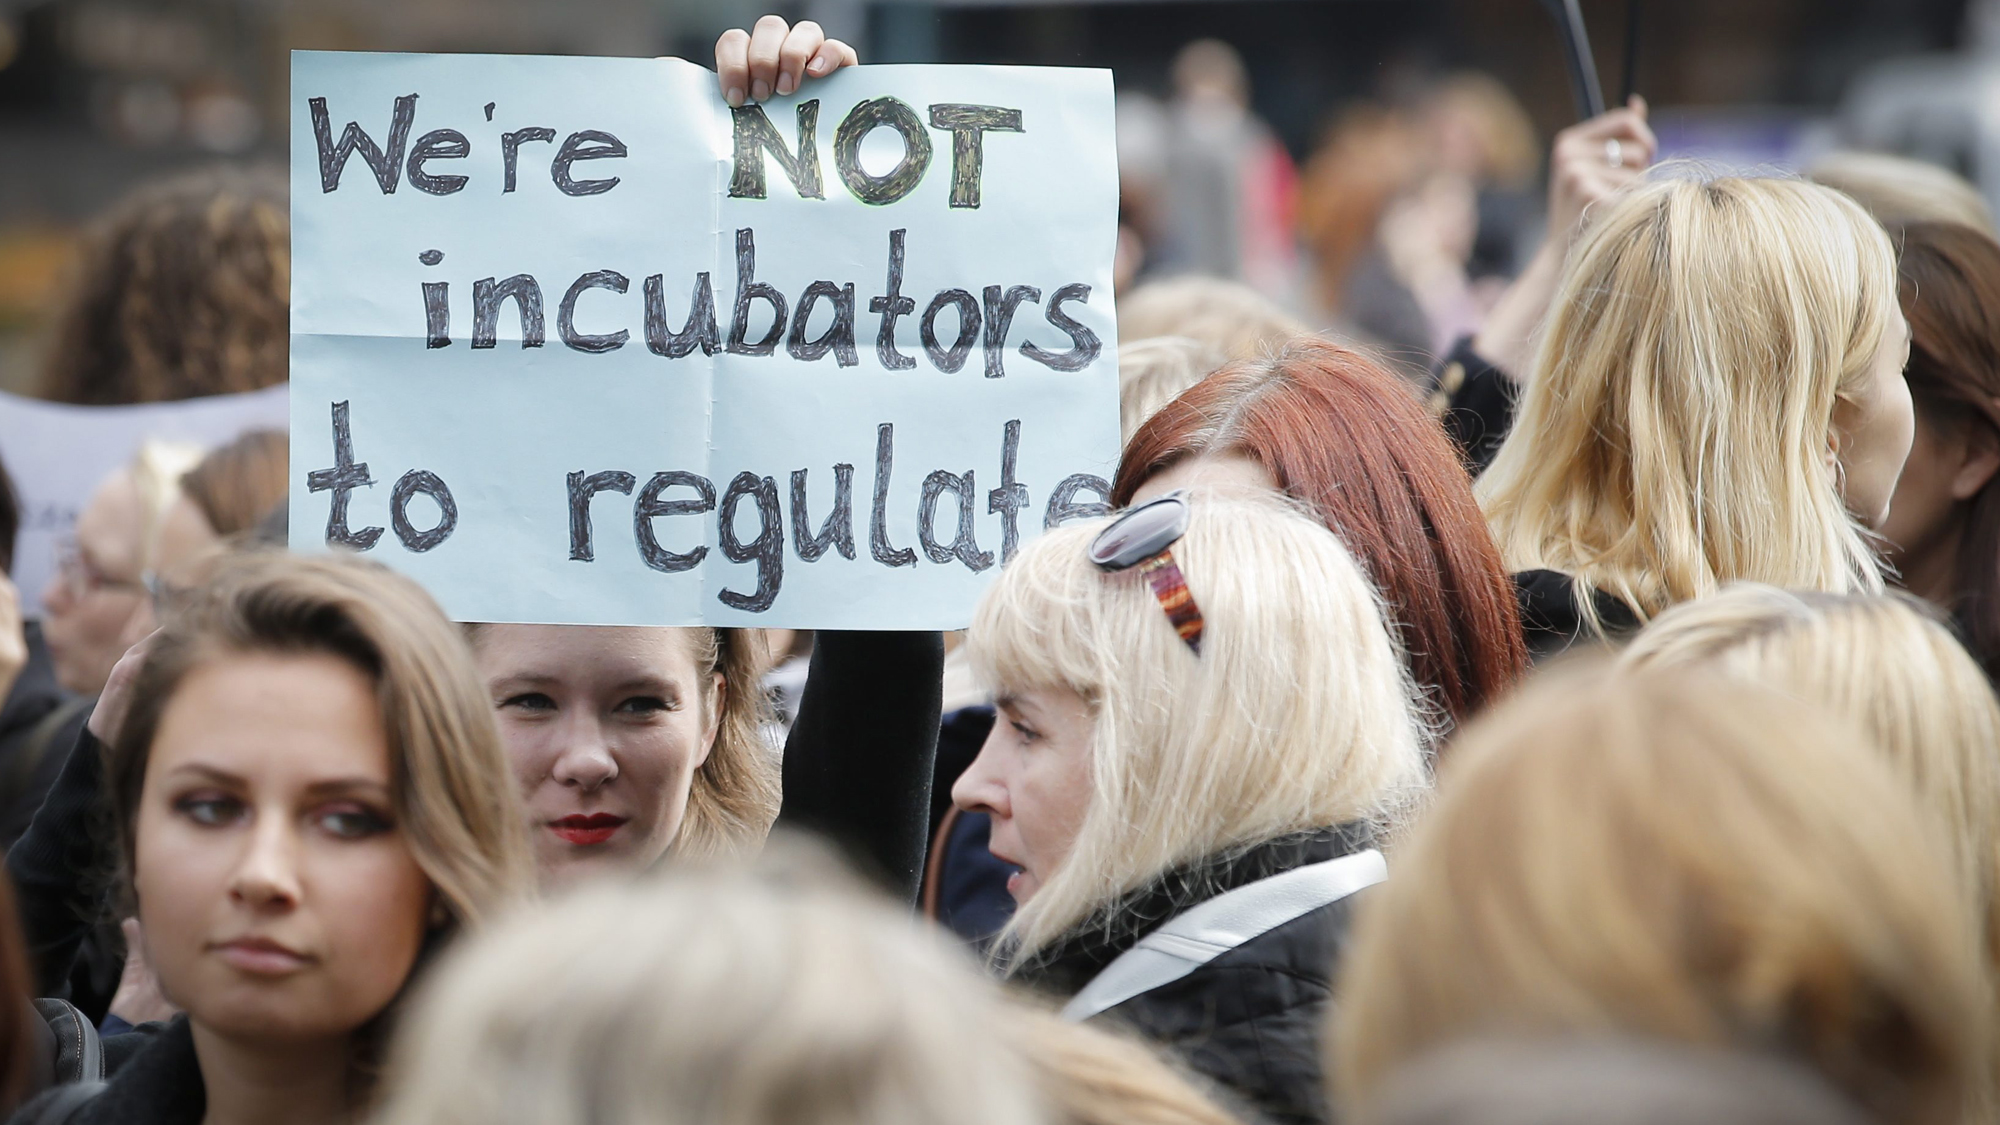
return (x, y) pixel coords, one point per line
(701, 995)
(1676, 857)
(1898, 190)
(1884, 664)
(1674, 436)
(1298, 713)
(1227, 316)
(1152, 372)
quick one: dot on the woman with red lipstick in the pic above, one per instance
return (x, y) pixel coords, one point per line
(634, 743)
(1204, 724)
(308, 797)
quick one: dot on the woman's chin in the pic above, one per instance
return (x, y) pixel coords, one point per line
(563, 865)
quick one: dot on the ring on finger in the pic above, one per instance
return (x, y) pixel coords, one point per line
(1614, 153)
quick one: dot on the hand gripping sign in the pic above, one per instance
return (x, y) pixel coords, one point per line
(574, 342)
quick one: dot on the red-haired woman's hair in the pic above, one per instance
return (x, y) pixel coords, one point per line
(1341, 434)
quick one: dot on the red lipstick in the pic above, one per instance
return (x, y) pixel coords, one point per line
(588, 831)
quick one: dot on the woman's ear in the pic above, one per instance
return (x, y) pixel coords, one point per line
(1979, 459)
(440, 915)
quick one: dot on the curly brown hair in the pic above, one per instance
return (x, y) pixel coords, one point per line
(182, 290)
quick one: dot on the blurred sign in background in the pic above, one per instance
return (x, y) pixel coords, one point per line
(1329, 142)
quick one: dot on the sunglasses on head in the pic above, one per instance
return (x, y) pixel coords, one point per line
(1143, 539)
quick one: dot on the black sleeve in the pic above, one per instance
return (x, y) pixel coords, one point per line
(858, 762)
(1475, 401)
(59, 866)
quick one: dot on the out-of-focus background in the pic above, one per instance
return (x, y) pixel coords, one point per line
(1374, 164)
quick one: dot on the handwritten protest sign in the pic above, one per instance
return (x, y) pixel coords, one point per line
(58, 454)
(574, 342)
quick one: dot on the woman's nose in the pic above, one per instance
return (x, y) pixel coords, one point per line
(268, 874)
(979, 788)
(585, 760)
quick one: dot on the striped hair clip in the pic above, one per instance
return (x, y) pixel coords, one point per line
(1144, 538)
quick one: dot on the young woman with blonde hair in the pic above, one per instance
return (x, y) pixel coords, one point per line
(308, 798)
(1675, 856)
(741, 998)
(1884, 664)
(1201, 712)
(1717, 396)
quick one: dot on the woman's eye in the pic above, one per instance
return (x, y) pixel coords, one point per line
(643, 705)
(529, 701)
(1027, 733)
(210, 810)
(353, 822)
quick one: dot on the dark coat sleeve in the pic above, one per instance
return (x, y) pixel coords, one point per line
(59, 865)
(1475, 401)
(859, 760)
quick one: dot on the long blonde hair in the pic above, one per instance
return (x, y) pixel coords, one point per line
(1680, 857)
(1885, 664)
(1297, 714)
(1674, 434)
(722, 996)
(733, 796)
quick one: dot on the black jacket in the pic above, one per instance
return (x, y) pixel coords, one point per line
(1549, 617)
(153, 1078)
(35, 732)
(1253, 1019)
(1475, 400)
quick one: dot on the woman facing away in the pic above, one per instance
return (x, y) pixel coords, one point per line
(288, 898)
(776, 995)
(1201, 710)
(1678, 857)
(1717, 397)
(1886, 666)
(1337, 432)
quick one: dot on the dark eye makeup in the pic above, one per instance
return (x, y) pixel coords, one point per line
(351, 821)
(209, 808)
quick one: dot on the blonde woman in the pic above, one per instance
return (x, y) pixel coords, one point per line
(1717, 396)
(1678, 857)
(1884, 664)
(707, 995)
(1200, 712)
(308, 798)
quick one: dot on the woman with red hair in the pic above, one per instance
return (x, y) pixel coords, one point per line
(1337, 432)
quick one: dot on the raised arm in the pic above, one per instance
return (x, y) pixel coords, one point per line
(859, 761)
(1476, 385)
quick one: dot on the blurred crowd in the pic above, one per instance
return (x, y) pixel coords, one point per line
(1538, 669)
